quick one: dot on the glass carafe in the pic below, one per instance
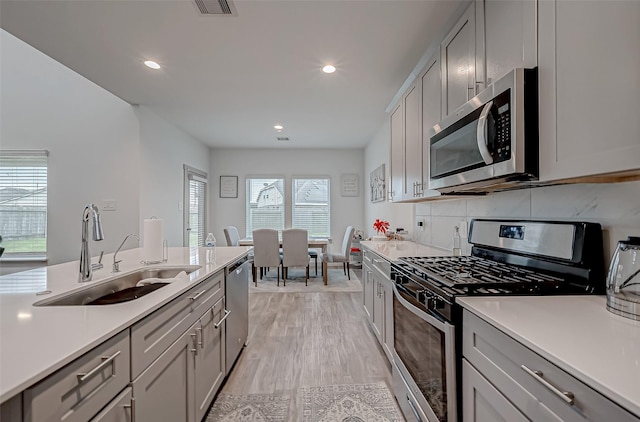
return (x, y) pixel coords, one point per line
(623, 280)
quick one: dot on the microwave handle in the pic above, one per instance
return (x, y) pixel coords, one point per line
(481, 135)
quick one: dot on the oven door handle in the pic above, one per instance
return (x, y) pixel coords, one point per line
(440, 325)
(482, 134)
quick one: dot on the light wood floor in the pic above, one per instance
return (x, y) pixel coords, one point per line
(310, 339)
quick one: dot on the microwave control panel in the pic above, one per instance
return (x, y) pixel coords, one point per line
(501, 113)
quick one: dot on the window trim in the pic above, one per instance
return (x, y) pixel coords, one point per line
(285, 196)
(19, 257)
(292, 197)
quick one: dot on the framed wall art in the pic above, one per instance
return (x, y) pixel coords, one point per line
(349, 185)
(228, 186)
(377, 184)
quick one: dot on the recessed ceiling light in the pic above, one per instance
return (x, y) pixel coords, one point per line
(328, 69)
(278, 127)
(152, 64)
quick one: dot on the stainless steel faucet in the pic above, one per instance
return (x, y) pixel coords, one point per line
(116, 264)
(86, 271)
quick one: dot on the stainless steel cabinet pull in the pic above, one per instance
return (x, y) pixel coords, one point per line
(198, 295)
(199, 337)
(379, 261)
(195, 344)
(226, 314)
(132, 406)
(106, 360)
(567, 396)
(414, 410)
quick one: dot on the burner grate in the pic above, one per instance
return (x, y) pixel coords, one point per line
(460, 272)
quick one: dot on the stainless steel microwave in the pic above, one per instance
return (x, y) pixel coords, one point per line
(491, 141)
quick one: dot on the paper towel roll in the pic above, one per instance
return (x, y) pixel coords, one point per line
(153, 239)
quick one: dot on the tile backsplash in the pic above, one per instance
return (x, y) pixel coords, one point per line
(616, 206)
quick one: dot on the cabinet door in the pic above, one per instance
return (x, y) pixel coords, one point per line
(431, 115)
(458, 62)
(505, 37)
(412, 144)
(210, 358)
(387, 299)
(589, 82)
(481, 402)
(397, 154)
(378, 309)
(164, 392)
(369, 292)
(119, 410)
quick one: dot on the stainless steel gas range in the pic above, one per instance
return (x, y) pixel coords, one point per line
(507, 258)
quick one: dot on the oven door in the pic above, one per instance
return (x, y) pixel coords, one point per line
(424, 355)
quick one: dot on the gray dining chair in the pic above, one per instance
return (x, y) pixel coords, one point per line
(294, 252)
(232, 236)
(343, 256)
(266, 252)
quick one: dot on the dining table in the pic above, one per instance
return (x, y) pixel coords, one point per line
(314, 243)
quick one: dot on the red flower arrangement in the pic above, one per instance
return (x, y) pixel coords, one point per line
(381, 226)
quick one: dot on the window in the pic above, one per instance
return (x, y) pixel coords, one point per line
(195, 209)
(265, 204)
(311, 206)
(23, 204)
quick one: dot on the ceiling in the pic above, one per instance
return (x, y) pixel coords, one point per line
(227, 80)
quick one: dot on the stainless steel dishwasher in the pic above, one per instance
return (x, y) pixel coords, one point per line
(237, 302)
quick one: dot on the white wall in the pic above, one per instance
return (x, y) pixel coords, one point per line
(164, 149)
(288, 163)
(100, 148)
(398, 215)
(616, 206)
(92, 138)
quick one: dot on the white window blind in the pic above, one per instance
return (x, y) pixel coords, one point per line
(265, 204)
(311, 205)
(23, 204)
(196, 219)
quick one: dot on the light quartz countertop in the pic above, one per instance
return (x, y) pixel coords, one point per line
(38, 340)
(577, 334)
(392, 250)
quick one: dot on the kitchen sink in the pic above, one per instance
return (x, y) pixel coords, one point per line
(119, 289)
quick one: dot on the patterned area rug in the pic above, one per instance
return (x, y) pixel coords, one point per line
(349, 403)
(250, 408)
(336, 282)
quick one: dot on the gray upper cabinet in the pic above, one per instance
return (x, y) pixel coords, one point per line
(412, 144)
(505, 38)
(397, 153)
(431, 115)
(589, 73)
(458, 62)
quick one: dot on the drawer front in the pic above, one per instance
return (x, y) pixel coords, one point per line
(78, 391)
(533, 384)
(119, 410)
(367, 257)
(154, 334)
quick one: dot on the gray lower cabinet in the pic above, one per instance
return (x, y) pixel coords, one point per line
(503, 376)
(81, 389)
(210, 362)
(164, 391)
(180, 385)
(481, 401)
(119, 410)
(378, 299)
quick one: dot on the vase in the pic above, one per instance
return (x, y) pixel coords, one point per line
(379, 238)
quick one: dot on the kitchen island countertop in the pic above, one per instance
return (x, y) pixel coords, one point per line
(577, 334)
(38, 340)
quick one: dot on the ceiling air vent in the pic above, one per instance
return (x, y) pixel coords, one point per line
(282, 138)
(214, 7)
